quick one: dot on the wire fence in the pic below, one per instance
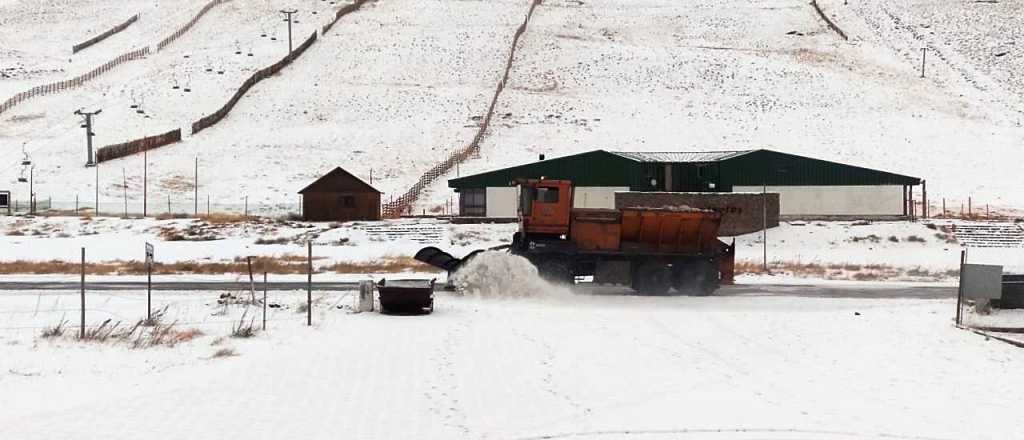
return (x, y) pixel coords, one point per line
(221, 311)
(155, 207)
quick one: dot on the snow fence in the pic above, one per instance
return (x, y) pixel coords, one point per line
(187, 26)
(111, 152)
(215, 117)
(78, 47)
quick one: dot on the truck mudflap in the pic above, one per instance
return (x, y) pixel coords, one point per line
(727, 262)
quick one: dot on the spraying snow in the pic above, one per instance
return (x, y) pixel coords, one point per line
(496, 274)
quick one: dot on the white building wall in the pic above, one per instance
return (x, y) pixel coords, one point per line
(836, 200)
(596, 196)
(502, 201)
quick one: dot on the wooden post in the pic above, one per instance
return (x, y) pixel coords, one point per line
(252, 284)
(81, 325)
(246, 207)
(149, 291)
(924, 199)
(943, 207)
(309, 283)
(264, 301)
(968, 206)
(76, 204)
(168, 204)
(207, 205)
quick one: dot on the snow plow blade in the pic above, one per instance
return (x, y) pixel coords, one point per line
(443, 260)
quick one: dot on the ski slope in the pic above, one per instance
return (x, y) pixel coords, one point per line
(394, 87)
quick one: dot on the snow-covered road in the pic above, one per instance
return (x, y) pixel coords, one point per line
(554, 367)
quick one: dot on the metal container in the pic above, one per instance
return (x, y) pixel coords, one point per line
(406, 296)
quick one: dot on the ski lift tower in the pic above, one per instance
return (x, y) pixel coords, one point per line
(90, 160)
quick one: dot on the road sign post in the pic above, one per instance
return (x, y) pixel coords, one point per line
(149, 283)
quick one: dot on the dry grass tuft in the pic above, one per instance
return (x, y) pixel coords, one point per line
(244, 329)
(225, 352)
(55, 331)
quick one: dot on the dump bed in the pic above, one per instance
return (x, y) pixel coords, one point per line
(646, 230)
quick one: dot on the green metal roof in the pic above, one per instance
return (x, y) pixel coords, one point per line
(687, 171)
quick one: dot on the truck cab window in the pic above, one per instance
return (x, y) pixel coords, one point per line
(547, 195)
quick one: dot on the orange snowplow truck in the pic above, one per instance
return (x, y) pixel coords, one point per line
(649, 249)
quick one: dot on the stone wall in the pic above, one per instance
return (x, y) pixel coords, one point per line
(742, 213)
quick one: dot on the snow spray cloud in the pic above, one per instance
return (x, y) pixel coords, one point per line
(496, 274)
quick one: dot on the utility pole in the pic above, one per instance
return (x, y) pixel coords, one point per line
(195, 184)
(764, 222)
(289, 13)
(31, 190)
(145, 181)
(90, 160)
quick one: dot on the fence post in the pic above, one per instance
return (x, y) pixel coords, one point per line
(309, 283)
(264, 301)
(960, 286)
(81, 325)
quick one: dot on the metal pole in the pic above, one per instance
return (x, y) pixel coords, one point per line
(196, 185)
(124, 187)
(90, 159)
(764, 223)
(149, 291)
(960, 286)
(289, 13)
(97, 190)
(31, 191)
(264, 301)
(81, 327)
(309, 283)
(145, 181)
(924, 54)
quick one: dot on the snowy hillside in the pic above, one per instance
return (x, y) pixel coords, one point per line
(394, 87)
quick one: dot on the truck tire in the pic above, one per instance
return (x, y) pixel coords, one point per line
(652, 279)
(699, 278)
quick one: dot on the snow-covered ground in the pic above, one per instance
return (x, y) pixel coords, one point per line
(897, 251)
(738, 367)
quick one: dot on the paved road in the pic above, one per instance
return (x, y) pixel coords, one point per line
(827, 291)
(173, 285)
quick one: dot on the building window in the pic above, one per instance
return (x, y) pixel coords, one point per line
(473, 202)
(347, 201)
(5, 200)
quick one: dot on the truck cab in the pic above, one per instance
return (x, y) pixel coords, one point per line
(545, 207)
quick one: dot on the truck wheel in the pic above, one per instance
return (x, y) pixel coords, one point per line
(652, 279)
(554, 270)
(698, 278)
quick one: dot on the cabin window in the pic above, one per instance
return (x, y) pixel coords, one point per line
(473, 202)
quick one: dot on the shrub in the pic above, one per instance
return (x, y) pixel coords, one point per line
(278, 240)
(894, 239)
(915, 239)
